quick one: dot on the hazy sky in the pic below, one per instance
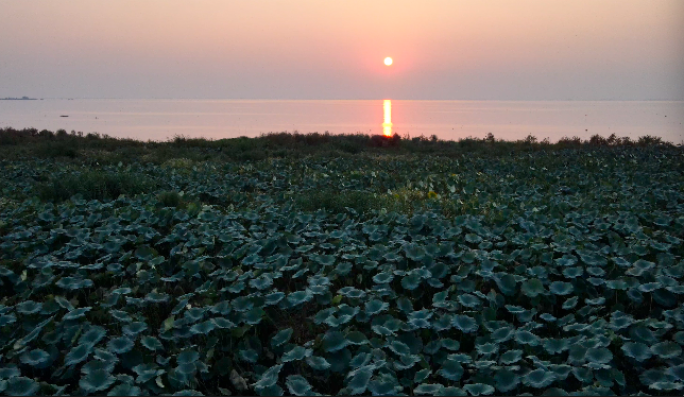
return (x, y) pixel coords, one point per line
(316, 49)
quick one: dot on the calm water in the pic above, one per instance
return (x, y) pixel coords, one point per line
(163, 119)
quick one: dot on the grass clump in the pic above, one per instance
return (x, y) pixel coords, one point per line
(95, 185)
(171, 199)
(336, 201)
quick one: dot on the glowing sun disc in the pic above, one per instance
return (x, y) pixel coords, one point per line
(388, 61)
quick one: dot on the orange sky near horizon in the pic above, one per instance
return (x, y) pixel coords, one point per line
(310, 49)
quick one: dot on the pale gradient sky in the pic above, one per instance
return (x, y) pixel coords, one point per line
(315, 49)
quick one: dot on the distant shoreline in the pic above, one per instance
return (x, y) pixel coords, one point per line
(24, 98)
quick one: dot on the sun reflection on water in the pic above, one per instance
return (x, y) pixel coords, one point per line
(387, 124)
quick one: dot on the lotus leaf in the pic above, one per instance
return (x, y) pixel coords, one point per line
(667, 350)
(539, 378)
(21, 386)
(35, 357)
(77, 354)
(506, 380)
(359, 379)
(478, 389)
(120, 345)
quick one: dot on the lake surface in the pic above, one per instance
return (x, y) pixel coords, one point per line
(216, 119)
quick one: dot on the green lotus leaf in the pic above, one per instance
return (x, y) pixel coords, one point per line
(422, 375)
(561, 288)
(120, 345)
(573, 272)
(383, 278)
(274, 298)
(527, 338)
(35, 357)
(186, 369)
(414, 252)
(77, 354)
(269, 377)
(570, 303)
(122, 291)
(21, 386)
(296, 353)
(637, 351)
(596, 301)
(375, 306)
(156, 297)
(7, 319)
(478, 389)
(356, 338)
(429, 389)
(556, 346)
(469, 300)
(133, 329)
(253, 316)
(318, 363)
(506, 380)
(222, 323)
(203, 328)
(400, 348)
(248, 355)
(92, 336)
(151, 343)
(359, 379)
(76, 314)
(506, 284)
(473, 238)
(451, 370)
(420, 318)
(598, 355)
(539, 378)
(667, 350)
(187, 357)
(677, 371)
(29, 307)
(281, 337)
(666, 386)
(298, 385)
(566, 261)
(96, 365)
(125, 389)
(450, 344)
(652, 376)
(384, 385)
(261, 283)
(502, 334)
(299, 297)
(145, 253)
(487, 349)
(451, 391)
(188, 392)
(411, 281)
(8, 372)
(95, 381)
(465, 323)
(121, 316)
(532, 287)
(334, 341)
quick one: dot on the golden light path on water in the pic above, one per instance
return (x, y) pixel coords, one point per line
(387, 124)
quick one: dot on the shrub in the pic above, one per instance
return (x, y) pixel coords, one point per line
(170, 199)
(94, 185)
(337, 202)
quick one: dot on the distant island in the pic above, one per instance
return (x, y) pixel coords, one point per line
(24, 98)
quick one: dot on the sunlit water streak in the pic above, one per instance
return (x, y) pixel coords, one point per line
(510, 120)
(387, 123)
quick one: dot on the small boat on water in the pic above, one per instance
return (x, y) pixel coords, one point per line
(64, 115)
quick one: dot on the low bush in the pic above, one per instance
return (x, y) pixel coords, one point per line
(94, 185)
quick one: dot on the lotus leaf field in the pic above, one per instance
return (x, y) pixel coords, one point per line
(552, 271)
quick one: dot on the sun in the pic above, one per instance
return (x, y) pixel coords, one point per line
(388, 61)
